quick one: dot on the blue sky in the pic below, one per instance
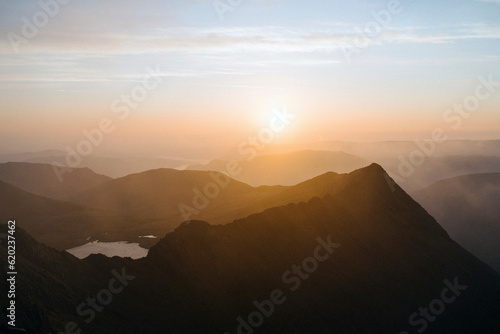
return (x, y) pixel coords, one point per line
(222, 77)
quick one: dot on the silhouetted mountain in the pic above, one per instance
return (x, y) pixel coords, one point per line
(43, 179)
(367, 259)
(164, 195)
(468, 208)
(111, 166)
(148, 204)
(16, 202)
(63, 225)
(51, 284)
(287, 169)
(157, 194)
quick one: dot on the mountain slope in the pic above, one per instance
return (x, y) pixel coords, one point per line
(164, 195)
(158, 194)
(370, 257)
(290, 168)
(467, 207)
(43, 180)
(51, 284)
(15, 202)
(63, 225)
(149, 204)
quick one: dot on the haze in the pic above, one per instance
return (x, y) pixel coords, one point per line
(220, 80)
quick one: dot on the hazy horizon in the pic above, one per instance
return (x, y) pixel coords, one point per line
(348, 72)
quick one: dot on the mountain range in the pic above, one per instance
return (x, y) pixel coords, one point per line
(49, 181)
(112, 166)
(363, 258)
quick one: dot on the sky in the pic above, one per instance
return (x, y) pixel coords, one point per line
(200, 73)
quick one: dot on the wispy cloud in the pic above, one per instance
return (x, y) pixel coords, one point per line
(230, 40)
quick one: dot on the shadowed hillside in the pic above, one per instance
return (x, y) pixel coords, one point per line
(51, 284)
(468, 208)
(42, 179)
(164, 195)
(63, 225)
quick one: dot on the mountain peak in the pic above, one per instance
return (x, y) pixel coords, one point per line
(375, 166)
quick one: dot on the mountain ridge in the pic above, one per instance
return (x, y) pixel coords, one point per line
(388, 258)
(48, 180)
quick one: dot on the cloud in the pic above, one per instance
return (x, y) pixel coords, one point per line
(79, 54)
(233, 40)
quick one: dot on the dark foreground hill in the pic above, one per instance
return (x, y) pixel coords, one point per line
(468, 208)
(367, 259)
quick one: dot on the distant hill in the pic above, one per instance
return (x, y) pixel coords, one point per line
(448, 159)
(366, 259)
(290, 168)
(390, 150)
(41, 179)
(22, 157)
(111, 166)
(117, 167)
(438, 168)
(468, 208)
(158, 195)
